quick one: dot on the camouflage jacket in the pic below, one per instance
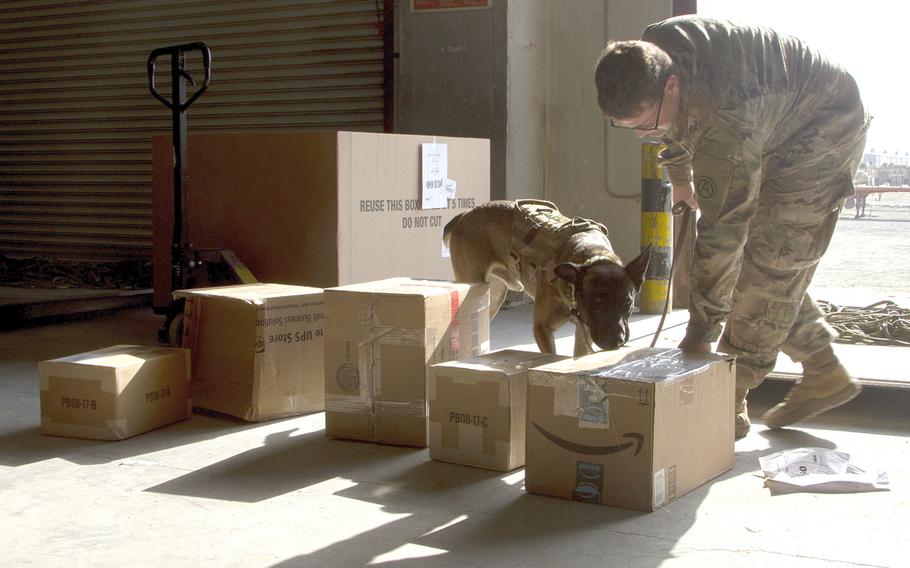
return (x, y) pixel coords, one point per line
(750, 97)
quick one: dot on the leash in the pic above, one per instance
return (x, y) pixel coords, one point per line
(681, 208)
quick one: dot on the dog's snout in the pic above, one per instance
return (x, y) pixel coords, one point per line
(611, 343)
(615, 338)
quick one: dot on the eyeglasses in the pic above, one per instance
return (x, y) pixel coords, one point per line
(647, 127)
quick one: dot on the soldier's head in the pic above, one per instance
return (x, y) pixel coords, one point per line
(636, 87)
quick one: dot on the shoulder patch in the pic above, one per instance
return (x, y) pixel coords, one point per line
(705, 188)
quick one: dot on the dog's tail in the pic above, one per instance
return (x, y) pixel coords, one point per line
(450, 226)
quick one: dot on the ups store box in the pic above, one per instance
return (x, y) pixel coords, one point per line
(632, 428)
(257, 349)
(380, 337)
(477, 408)
(115, 392)
(315, 208)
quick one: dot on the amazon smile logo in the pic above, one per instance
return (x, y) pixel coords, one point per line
(637, 440)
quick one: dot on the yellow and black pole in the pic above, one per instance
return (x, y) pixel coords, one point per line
(656, 230)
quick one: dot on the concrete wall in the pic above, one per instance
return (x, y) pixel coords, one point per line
(450, 77)
(528, 75)
(594, 170)
(521, 74)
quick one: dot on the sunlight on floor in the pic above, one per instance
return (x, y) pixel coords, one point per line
(453, 522)
(514, 478)
(406, 552)
(410, 550)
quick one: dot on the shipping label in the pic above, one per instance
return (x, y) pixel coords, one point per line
(593, 404)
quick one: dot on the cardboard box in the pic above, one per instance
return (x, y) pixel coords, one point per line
(632, 428)
(380, 337)
(477, 408)
(257, 349)
(314, 208)
(115, 392)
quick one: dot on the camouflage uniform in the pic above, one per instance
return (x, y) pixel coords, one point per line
(773, 132)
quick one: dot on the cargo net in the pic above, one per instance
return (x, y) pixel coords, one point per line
(38, 272)
(881, 323)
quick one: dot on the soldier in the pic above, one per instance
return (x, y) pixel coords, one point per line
(764, 134)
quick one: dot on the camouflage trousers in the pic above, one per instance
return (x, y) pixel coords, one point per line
(798, 208)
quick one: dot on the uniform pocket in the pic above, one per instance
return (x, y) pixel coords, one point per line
(809, 204)
(786, 247)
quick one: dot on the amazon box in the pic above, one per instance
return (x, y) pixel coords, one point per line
(632, 428)
(257, 349)
(115, 392)
(316, 208)
(380, 337)
(477, 408)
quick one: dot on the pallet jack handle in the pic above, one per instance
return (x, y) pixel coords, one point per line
(178, 104)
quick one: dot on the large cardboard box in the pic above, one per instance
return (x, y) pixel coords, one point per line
(477, 408)
(115, 392)
(632, 428)
(314, 208)
(380, 337)
(257, 349)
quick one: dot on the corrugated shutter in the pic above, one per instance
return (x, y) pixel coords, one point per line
(76, 116)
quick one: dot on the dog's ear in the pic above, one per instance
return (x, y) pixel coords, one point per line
(637, 268)
(568, 271)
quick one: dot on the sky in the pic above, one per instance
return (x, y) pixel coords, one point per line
(869, 38)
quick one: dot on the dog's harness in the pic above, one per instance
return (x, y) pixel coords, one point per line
(539, 232)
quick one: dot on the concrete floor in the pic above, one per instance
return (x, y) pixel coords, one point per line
(225, 493)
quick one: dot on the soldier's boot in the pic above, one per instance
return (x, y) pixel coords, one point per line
(825, 384)
(742, 414)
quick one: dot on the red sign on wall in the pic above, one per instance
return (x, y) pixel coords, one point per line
(437, 5)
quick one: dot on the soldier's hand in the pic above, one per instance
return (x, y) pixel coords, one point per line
(685, 192)
(694, 346)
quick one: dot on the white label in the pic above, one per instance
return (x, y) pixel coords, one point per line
(434, 173)
(593, 404)
(660, 487)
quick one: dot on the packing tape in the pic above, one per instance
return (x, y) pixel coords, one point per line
(685, 391)
(348, 404)
(471, 410)
(118, 427)
(416, 408)
(356, 405)
(398, 336)
(70, 430)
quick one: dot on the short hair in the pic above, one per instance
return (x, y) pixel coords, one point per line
(628, 75)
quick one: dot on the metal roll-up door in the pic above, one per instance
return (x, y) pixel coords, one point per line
(76, 116)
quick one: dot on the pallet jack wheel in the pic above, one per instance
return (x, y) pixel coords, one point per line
(174, 331)
(171, 333)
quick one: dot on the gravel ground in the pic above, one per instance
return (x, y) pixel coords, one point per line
(869, 257)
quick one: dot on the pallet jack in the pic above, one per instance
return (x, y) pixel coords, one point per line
(191, 267)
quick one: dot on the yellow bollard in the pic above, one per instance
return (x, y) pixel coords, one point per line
(656, 230)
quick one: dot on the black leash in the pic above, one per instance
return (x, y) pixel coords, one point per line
(681, 208)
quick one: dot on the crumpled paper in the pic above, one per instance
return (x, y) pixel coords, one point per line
(819, 470)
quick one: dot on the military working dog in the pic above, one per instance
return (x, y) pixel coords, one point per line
(566, 265)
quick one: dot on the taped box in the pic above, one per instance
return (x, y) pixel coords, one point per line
(257, 349)
(632, 428)
(380, 338)
(477, 408)
(115, 392)
(316, 208)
